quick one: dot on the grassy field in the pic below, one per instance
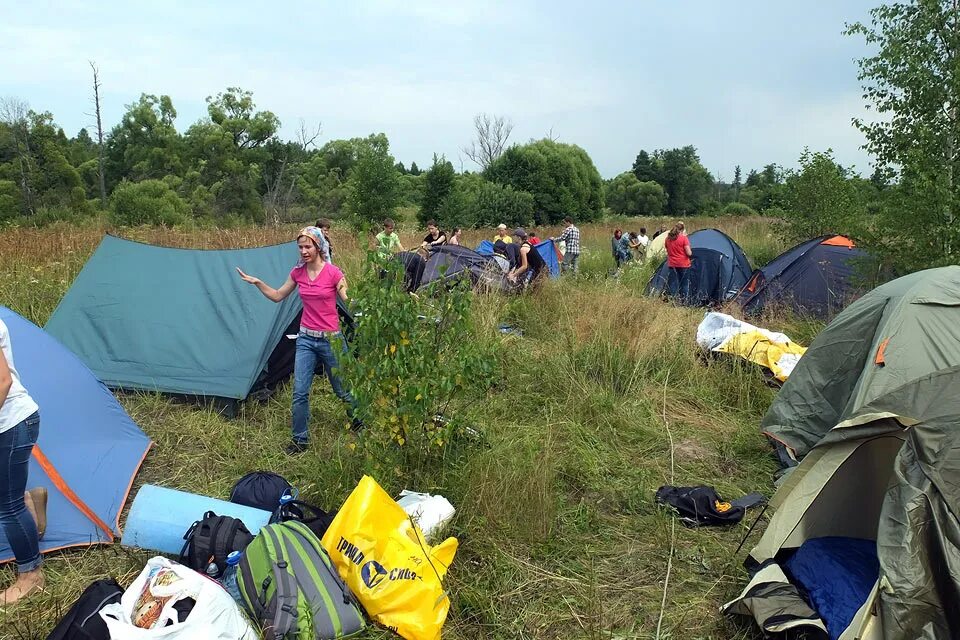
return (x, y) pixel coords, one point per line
(602, 400)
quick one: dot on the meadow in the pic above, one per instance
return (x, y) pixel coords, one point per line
(601, 401)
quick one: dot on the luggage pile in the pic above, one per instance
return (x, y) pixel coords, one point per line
(305, 575)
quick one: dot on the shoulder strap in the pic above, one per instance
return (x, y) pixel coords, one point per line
(285, 616)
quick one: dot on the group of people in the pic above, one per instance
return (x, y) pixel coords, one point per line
(629, 246)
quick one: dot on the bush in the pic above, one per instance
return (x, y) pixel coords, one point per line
(147, 202)
(737, 209)
(497, 204)
(561, 177)
(420, 362)
(627, 196)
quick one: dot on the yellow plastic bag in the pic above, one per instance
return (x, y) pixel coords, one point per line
(384, 559)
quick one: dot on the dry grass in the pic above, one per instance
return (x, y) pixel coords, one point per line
(559, 534)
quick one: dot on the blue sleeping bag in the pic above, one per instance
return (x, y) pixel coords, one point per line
(837, 575)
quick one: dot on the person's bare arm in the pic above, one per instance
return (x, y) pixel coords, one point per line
(276, 295)
(342, 289)
(6, 379)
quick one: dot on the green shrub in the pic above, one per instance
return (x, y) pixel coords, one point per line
(147, 202)
(737, 209)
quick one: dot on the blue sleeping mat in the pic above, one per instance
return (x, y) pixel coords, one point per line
(837, 575)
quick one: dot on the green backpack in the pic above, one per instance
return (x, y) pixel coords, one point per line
(290, 586)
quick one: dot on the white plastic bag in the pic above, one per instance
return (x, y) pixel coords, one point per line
(149, 602)
(429, 512)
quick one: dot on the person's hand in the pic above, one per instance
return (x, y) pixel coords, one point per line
(247, 278)
(511, 278)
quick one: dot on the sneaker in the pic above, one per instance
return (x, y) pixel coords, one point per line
(296, 447)
(357, 425)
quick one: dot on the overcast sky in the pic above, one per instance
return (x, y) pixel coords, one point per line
(746, 82)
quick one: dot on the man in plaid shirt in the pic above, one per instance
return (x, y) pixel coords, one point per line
(570, 236)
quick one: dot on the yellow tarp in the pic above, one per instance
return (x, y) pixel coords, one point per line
(779, 357)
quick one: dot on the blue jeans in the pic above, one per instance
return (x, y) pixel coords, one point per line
(310, 350)
(571, 262)
(16, 445)
(678, 283)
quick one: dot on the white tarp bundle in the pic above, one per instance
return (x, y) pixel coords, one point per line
(722, 333)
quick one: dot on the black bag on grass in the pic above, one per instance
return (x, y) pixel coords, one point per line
(211, 540)
(260, 490)
(701, 505)
(316, 519)
(83, 621)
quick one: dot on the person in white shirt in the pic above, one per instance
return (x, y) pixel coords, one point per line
(19, 428)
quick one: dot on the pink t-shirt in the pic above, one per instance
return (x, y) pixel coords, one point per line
(319, 297)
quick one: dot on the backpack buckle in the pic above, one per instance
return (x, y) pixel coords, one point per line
(282, 564)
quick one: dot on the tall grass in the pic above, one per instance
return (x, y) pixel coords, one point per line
(560, 537)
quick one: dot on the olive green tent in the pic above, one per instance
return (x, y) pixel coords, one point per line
(872, 415)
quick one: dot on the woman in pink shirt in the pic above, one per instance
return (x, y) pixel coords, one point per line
(318, 283)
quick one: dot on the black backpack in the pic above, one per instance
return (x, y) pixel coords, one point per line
(260, 490)
(316, 519)
(703, 506)
(83, 621)
(211, 540)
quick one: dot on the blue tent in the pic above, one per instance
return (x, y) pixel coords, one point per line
(818, 277)
(719, 269)
(89, 449)
(547, 250)
(180, 321)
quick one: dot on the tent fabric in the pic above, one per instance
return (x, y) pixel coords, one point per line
(816, 278)
(177, 321)
(838, 383)
(89, 449)
(878, 445)
(722, 333)
(450, 262)
(719, 269)
(547, 249)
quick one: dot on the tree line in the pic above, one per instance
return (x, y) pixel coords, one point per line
(233, 165)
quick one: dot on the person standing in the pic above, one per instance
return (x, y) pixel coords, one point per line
(621, 252)
(325, 245)
(531, 266)
(678, 262)
(571, 238)
(502, 234)
(318, 283)
(19, 429)
(388, 242)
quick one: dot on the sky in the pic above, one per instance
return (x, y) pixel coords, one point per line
(747, 82)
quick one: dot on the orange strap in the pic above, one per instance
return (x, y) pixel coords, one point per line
(68, 493)
(880, 352)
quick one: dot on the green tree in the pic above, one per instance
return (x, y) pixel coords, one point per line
(414, 169)
(913, 84)
(644, 168)
(147, 202)
(687, 183)
(145, 145)
(627, 196)
(561, 178)
(495, 203)
(737, 183)
(820, 199)
(438, 184)
(374, 190)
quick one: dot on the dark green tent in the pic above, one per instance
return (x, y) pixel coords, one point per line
(872, 414)
(180, 321)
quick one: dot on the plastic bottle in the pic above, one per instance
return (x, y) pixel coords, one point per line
(229, 580)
